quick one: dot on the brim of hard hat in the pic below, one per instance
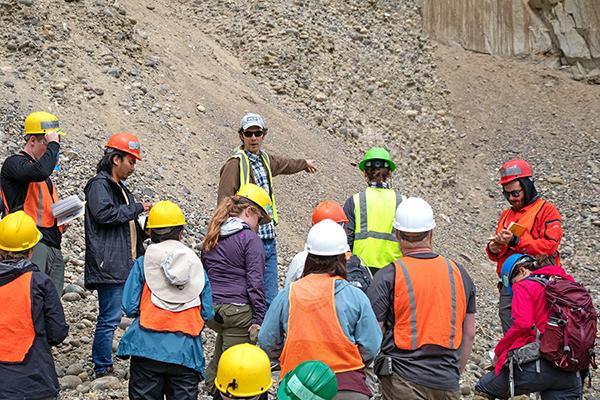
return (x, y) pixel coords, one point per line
(266, 218)
(281, 394)
(139, 158)
(157, 226)
(328, 253)
(60, 133)
(242, 395)
(412, 230)
(19, 249)
(361, 165)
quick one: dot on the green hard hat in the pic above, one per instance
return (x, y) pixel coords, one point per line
(377, 153)
(310, 380)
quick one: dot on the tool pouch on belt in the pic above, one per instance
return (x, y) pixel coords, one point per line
(526, 354)
(383, 366)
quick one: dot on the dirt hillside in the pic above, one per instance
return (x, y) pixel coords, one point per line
(332, 78)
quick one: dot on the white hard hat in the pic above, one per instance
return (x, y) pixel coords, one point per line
(414, 215)
(327, 238)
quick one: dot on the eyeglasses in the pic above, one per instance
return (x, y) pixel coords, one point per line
(249, 134)
(512, 193)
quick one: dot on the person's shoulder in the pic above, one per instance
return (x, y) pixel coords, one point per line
(41, 279)
(548, 205)
(101, 177)
(233, 158)
(463, 271)
(300, 256)
(281, 299)
(387, 272)
(13, 160)
(248, 236)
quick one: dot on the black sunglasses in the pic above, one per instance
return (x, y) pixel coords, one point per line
(512, 193)
(255, 133)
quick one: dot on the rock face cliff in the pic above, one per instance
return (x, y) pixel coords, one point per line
(564, 30)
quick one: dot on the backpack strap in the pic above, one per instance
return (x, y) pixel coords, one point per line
(541, 279)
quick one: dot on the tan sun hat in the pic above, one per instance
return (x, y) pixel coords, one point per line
(173, 272)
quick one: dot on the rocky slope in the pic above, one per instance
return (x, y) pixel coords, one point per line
(560, 32)
(332, 78)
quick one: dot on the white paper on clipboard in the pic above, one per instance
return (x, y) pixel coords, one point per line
(68, 209)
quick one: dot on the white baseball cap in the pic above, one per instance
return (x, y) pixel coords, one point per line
(252, 119)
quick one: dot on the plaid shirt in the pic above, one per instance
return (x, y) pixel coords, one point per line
(266, 231)
(382, 185)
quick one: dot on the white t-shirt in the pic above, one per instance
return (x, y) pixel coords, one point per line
(296, 268)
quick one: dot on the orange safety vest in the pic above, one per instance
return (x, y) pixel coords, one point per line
(429, 303)
(527, 220)
(314, 331)
(157, 319)
(16, 323)
(37, 203)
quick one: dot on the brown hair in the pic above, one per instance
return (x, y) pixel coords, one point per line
(158, 235)
(544, 259)
(413, 237)
(377, 175)
(332, 265)
(231, 206)
(14, 255)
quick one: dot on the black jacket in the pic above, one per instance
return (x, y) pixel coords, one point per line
(107, 235)
(18, 171)
(35, 377)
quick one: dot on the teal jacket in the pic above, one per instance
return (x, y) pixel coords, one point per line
(354, 313)
(174, 348)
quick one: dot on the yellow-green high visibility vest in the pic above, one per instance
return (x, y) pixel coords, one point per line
(374, 240)
(245, 175)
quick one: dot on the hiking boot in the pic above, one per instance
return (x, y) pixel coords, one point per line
(108, 371)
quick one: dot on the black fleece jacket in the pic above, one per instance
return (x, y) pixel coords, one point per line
(34, 378)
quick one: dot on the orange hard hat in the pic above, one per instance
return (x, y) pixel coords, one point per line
(514, 169)
(329, 210)
(125, 142)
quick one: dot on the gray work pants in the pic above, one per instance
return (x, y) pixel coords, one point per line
(505, 309)
(50, 261)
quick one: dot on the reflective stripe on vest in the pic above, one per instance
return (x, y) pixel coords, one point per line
(527, 219)
(429, 303)
(16, 323)
(37, 204)
(314, 331)
(374, 240)
(245, 175)
(157, 319)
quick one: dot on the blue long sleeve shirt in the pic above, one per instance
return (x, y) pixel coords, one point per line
(354, 313)
(174, 348)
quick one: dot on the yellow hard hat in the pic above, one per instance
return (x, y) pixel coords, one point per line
(41, 122)
(244, 370)
(165, 214)
(18, 232)
(260, 197)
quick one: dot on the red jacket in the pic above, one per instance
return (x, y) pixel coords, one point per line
(543, 238)
(529, 309)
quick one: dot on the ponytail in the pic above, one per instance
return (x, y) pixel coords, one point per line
(231, 206)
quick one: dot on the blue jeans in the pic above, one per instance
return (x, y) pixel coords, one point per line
(552, 383)
(109, 315)
(270, 278)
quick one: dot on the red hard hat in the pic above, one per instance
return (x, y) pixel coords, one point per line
(125, 142)
(329, 210)
(514, 169)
